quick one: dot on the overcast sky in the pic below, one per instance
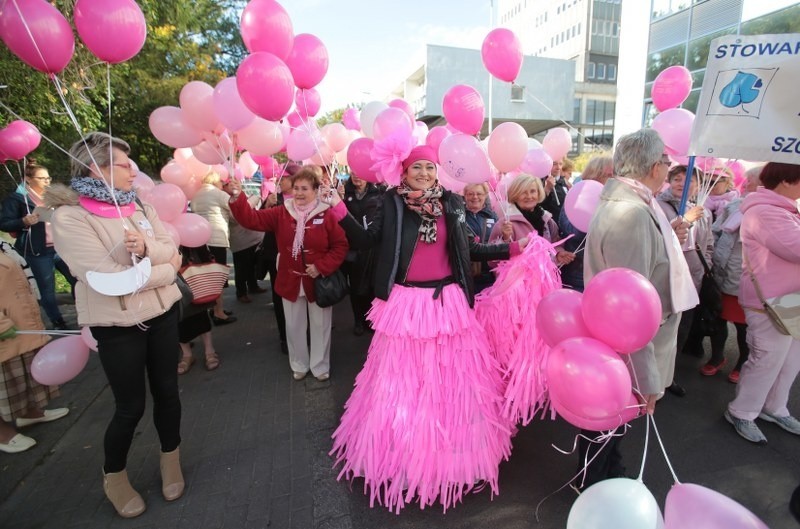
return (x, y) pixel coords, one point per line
(373, 45)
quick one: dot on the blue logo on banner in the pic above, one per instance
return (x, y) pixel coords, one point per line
(744, 88)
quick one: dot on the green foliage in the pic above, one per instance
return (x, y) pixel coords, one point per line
(187, 40)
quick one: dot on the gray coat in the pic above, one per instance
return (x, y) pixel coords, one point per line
(727, 252)
(624, 232)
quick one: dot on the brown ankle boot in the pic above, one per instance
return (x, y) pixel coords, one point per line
(122, 495)
(172, 483)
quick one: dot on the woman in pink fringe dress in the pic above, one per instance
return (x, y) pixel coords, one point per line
(424, 420)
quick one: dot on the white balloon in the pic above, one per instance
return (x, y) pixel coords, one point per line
(368, 115)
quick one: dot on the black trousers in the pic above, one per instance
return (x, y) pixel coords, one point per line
(277, 301)
(360, 301)
(604, 461)
(244, 270)
(128, 354)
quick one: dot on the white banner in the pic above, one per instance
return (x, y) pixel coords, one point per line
(749, 106)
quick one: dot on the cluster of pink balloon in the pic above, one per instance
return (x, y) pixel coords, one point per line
(589, 383)
(670, 89)
(40, 36)
(18, 139)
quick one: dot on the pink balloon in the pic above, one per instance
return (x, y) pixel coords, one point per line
(586, 377)
(405, 106)
(690, 505)
(208, 153)
(170, 128)
(193, 165)
(173, 232)
(501, 53)
(559, 316)
(420, 132)
(88, 339)
(265, 85)
(261, 137)
(193, 229)
(671, 87)
(450, 183)
(307, 102)
(191, 187)
(267, 163)
(266, 26)
(464, 159)
(222, 171)
(37, 33)
(175, 173)
(391, 121)
(143, 183)
(557, 143)
(581, 203)
(229, 108)
(197, 103)
(295, 120)
(14, 142)
(323, 156)
(435, 137)
(675, 128)
(626, 415)
(335, 136)
(508, 145)
(368, 115)
(463, 109)
(738, 170)
(247, 165)
(350, 119)
(60, 361)
(536, 163)
(308, 60)
(622, 309)
(96, 20)
(359, 160)
(168, 200)
(301, 145)
(27, 130)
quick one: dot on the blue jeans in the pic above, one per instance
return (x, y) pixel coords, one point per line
(43, 268)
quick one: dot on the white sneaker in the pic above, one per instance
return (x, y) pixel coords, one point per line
(788, 423)
(746, 429)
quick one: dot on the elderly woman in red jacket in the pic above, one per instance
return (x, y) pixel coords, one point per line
(310, 243)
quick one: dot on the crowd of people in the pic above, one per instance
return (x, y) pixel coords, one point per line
(415, 255)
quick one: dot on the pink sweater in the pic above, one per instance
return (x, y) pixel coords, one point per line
(430, 262)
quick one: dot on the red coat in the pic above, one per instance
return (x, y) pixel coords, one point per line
(324, 243)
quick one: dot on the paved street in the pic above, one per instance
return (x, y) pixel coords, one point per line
(255, 446)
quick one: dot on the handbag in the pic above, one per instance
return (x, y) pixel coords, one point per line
(709, 310)
(328, 290)
(784, 310)
(206, 281)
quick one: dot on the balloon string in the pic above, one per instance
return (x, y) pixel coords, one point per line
(52, 333)
(663, 450)
(553, 114)
(111, 148)
(30, 34)
(646, 444)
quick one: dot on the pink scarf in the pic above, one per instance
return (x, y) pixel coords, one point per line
(682, 291)
(303, 213)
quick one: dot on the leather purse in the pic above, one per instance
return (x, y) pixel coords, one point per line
(328, 290)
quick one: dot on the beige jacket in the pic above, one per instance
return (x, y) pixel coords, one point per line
(18, 307)
(211, 203)
(88, 242)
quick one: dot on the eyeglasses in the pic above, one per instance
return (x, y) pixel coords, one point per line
(42, 178)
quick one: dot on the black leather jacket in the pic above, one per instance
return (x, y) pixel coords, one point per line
(396, 229)
(30, 240)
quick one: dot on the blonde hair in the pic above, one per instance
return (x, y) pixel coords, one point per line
(212, 177)
(521, 183)
(482, 185)
(596, 167)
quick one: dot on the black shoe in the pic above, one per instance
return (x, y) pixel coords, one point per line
(358, 330)
(223, 321)
(794, 504)
(676, 389)
(284, 347)
(228, 312)
(258, 290)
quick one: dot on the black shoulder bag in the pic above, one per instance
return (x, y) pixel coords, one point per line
(329, 290)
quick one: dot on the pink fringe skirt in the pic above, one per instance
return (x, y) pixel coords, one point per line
(507, 312)
(424, 420)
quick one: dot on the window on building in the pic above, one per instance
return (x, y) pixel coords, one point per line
(590, 70)
(658, 61)
(579, 28)
(517, 93)
(576, 111)
(558, 10)
(601, 70)
(614, 29)
(612, 72)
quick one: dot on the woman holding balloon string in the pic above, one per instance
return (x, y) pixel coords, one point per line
(126, 264)
(424, 420)
(525, 215)
(22, 398)
(628, 212)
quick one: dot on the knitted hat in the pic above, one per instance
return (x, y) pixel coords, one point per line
(421, 152)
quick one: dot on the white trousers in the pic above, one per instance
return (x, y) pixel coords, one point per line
(298, 314)
(769, 372)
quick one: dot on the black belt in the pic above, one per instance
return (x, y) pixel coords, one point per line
(436, 284)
